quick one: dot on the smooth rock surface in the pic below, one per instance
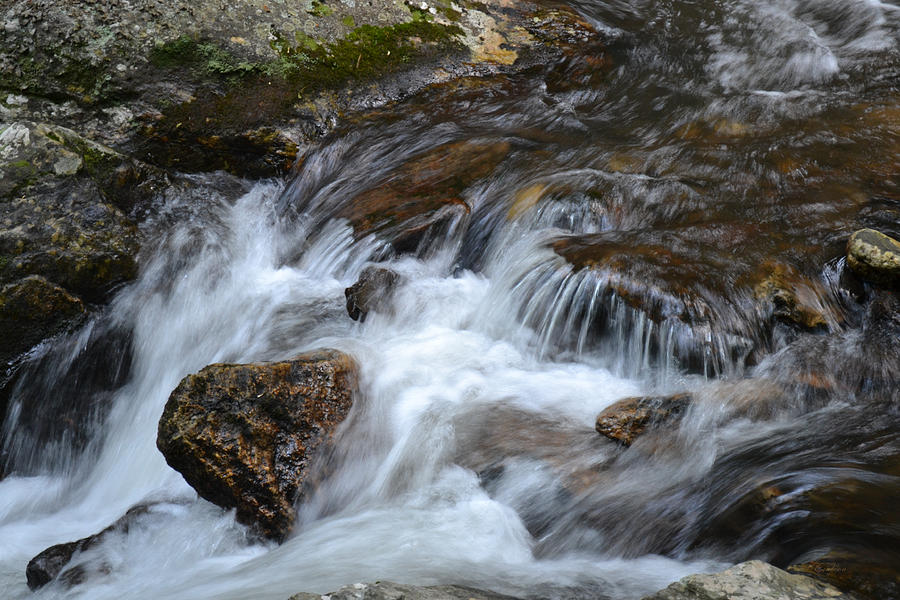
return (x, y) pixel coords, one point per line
(386, 590)
(244, 436)
(752, 580)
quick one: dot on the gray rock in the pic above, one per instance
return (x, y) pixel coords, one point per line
(385, 590)
(752, 580)
(874, 256)
(57, 223)
(199, 85)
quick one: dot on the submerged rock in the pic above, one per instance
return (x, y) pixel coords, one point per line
(386, 590)
(244, 436)
(856, 573)
(52, 562)
(424, 193)
(371, 292)
(795, 298)
(752, 580)
(627, 419)
(874, 256)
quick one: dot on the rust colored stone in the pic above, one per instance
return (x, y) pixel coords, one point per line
(627, 419)
(423, 192)
(244, 436)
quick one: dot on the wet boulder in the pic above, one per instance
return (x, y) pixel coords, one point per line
(752, 580)
(874, 256)
(32, 309)
(196, 85)
(627, 419)
(371, 292)
(244, 436)
(386, 590)
(66, 241)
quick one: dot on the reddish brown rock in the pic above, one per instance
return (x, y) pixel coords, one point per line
(423, 192)
(627, 419)
(244, 435)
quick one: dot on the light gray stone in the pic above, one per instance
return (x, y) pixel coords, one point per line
(386, 590)
(752, 580)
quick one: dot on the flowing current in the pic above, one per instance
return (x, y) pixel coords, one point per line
(724, 134)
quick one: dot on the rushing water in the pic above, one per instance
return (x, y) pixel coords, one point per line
(728, 133)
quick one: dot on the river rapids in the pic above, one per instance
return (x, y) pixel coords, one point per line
(720, 135)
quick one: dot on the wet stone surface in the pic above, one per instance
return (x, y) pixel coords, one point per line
(244, 436)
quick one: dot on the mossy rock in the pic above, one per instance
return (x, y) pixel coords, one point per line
(875, 257)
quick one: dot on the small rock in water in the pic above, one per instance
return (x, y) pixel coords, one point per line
(752, 580)
(371, 292)
(627, 419)
(244, 436)
(874, 256)
(52, 562)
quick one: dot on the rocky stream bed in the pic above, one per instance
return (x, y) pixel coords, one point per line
(492, 299)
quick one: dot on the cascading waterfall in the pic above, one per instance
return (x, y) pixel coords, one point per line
(471, 456)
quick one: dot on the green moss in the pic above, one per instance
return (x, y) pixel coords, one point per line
(348, 21)
(320, 9)
(204, 57)
(98, 163)
(197, 131)
(366, 52)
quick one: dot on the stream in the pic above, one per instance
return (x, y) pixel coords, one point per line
(609, 224)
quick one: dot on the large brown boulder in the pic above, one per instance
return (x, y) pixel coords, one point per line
(244, 435)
